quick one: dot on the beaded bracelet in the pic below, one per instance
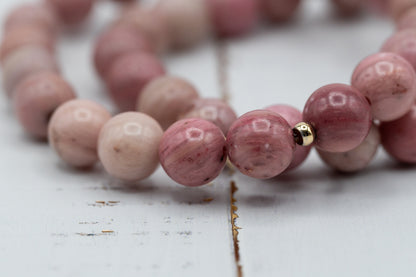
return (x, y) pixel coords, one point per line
(346, 123)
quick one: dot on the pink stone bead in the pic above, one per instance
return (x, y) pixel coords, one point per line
(214, 110)
(293, 116)
(261, 144)
(187, 21)
(403, 43)
(73, 11)
(115, 42)
(165, 98)
(358, 158)
(37, 97)
(398, 7)
(348, 7)
(129, 74)
(380, 6)
(193, 152)
(389, 82)
(128, 146)
(340, 115)
(407, 20)
(398, 137)
(25, 61)
(280, 10)
(73, 131)
(233, 17)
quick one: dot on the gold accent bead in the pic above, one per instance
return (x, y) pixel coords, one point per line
(304, 134)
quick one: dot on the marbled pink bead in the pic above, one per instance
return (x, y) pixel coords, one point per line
(129, 74)
(193, 152)
(216, 111)
(280, 10)
(37, 97)
(340, 115)
(398, 7)
(389, 82)
(403, 43)
(115, 42)
(165, 98)
(293, 116)
(380, 6)
(128, 146)
(407, 20)
(348, 7)
(358, 158)
(25, 61)
(261, 144)
(398, 137)
(72, 11)
(233, 17)
(73, 131)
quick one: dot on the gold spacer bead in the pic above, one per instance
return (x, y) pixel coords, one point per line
(304, 134)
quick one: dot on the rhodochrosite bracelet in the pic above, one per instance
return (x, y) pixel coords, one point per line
(164, 120)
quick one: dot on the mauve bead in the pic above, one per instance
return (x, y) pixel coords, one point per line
(165, 98)
(115, 42)
(129, 74)
(187, 21)
(233, 17)
(358, 158)
(261, 144)
(73, 131)
(216, 111)
(128, 146)
(193, 152)
(293, 116)
(407, 20)
(25, 61)
(37, 97)
(340, 115)
(72, 11)
(389, 82)
(280, 10)
(398, 137)
(348, 7)
(402, 43)
(398, 7)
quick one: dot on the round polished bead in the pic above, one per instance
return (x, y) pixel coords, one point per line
(187, 21)
(25, 61)
(37, 97)
(166, 98)
(293, 116)
(128, 146)
(73, 131)
(389, 82)
(348, 7)
(216, 111)
(129, 74)
(358, 158)
(398, 137)
(280, 10)
(193, 152)
(73, 11)
(403, 43)
(398, 7)
(340, 116)
(115, 42)
(233, 17)
(260, 144)
(407, 20)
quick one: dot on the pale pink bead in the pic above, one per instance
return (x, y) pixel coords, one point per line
(398, 7)
(389, 82)
(280, 10)
(37, 97)
(398, 137)
(193, 152)
(25, 61)
(129, 74)
(73, 131)
(72, 11)
(214, 110)
(348, 7)
(187, 21)
(261, 144)
(115, 42)
(403, 43)
(407, 20)
(165, 98)
(358, 158)
(233, 17)
(128, 146)
(293, 116)
(340, 115)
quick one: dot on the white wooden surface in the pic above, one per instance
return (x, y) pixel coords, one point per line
(311, 222)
